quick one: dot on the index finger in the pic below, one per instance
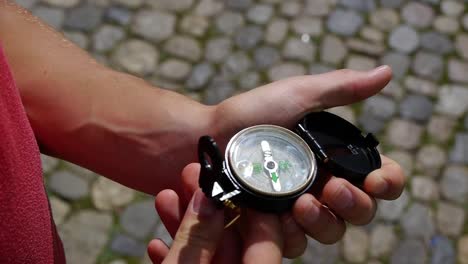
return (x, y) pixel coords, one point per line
(387, 182)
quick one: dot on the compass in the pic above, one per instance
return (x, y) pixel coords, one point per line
(267, 167)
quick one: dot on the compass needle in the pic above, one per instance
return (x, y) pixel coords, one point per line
(271, 165)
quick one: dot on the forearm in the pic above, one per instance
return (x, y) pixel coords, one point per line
(112, 123)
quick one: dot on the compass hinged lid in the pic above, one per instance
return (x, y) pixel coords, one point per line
(340, 146)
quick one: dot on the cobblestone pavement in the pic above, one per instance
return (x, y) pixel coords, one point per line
(212, 49)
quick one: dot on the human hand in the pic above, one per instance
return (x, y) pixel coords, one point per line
(198, 237)
(334, 201)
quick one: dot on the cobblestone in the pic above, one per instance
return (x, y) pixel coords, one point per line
(136, 56)
(60, 209)
(428, 65)
(174, 69)
(54, 17)
(384, 19)
(445, 24)
(436, 42)
(440, 128)
(463, 250)
(355, 244)
(404, 39)
(266, 56)
(424, 188)
(454, 183)
(184, 47)
(68, 185)
(419, 15)
(276, 31)
(107, 194)
(382, 240)
(200, 76)
(144, 22)
(306, 25)
(228, 22)
(404, 134)
(409, 251)
(118, 15)
(392, 211)
(86, 17)
(285, 70)
(139, 219)
(333, 50)
(194, 25)
(452, 100)
(457, 70)
(459, 152)
(344, 22)
(420, 86)
(84, 235)
(418, 222)
(179, 5)
(399, 62)
(450, 219)
(260, 14)
(442, 250)
(416, 107)
(296, 49)
(218, 49)
(128, 246)
(248, 37)
(429, 160)
(106, 37)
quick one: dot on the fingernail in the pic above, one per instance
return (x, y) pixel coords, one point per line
(343, 199)
(311, 214)
(201, 205)
(381, 186)
(379, 69)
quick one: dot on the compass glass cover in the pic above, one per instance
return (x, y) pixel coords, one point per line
(271, 160)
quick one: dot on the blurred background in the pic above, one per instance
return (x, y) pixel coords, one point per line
(213, 49)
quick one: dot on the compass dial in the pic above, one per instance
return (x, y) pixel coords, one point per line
(271, 160)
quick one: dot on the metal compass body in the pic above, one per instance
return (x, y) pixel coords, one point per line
(271, 160)
(267, 167)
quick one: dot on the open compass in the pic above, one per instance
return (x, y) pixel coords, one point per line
(268, 167)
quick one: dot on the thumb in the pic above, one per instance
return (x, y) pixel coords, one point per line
(343, 87)
(285, 102)
(199, 233)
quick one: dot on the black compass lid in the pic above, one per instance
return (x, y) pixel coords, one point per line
(340, 146)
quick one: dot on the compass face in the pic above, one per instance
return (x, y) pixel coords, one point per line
(271, 160)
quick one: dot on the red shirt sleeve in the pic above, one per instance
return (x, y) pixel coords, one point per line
(27, 230)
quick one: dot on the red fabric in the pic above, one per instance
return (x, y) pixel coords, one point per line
(27, 230)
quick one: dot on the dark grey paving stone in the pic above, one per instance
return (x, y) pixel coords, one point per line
(139, 219)
(86, 18)
(128, 246)
(442, 250)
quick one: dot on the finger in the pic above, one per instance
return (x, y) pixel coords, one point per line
(199, 233)
(231, 242)
(340, 87)
(230, 248)
(348, 201)
(317, 220)
(294, 97)
(387, 182)
(190, 175)
(157, 251)
(295, 241)
(170, 210)
(262, 237)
